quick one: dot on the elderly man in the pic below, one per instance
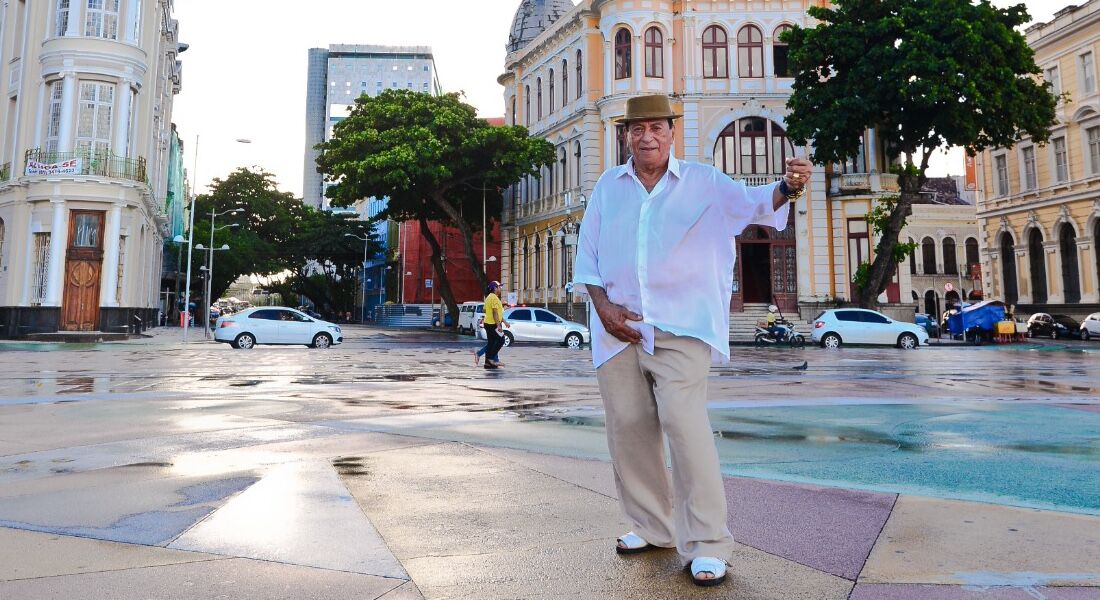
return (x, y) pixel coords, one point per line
(656, 257)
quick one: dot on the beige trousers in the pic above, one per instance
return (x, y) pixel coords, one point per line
(647, 395)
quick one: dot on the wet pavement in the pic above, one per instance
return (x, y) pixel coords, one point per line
(391, 467)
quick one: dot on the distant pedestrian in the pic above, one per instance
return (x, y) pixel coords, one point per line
(493, 325)
(655, 255)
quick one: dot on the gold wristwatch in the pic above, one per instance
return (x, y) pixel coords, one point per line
(786, 190)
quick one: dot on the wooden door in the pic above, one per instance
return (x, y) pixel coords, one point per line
(83, 267)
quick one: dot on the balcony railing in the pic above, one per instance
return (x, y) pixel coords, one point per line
(753, 180)
(550, 204)
(100, 164)
(889, 182)
(851, 182)
(5, 171)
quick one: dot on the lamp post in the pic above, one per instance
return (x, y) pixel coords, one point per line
(363, 276)
(209, 281)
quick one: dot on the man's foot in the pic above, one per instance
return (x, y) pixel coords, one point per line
(633, 543)
(707, 571)
(495, 363)
(490, 365)
(477, 359)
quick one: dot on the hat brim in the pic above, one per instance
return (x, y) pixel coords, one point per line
(654, 117)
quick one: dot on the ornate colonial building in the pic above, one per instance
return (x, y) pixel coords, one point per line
(85, 140)
(1039, 205)
(568, 73)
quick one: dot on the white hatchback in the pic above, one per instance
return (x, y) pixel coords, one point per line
(1090, 327)
(275, 325)
(861, 326)
(528, 324)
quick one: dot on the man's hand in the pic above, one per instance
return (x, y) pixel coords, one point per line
(798, 173)
(614, 316)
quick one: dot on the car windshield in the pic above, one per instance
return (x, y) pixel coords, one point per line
(1065, 320)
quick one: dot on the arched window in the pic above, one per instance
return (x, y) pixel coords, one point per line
(716, 53)
(1037, 262)
(513, 110)
(1008, 269)
(564, 82)
(524, 274)
(538, 97)
(577, 168)
(527, 105)
(622, 54)
(654, 53)
(779, 52)
(549, 260)
(1, 243)
(550, 79)
(928, 252)
(750, 52)
(1071, 278)
(950, 264)
(564, 170)
(538, 263)
(513, 275)
(972, 257)
(580, 75)
(752, 146)
(931, 304)
(912, 260)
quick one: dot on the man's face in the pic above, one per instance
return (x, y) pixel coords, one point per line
(650, 142)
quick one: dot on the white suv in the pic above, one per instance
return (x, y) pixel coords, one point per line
(861, 326)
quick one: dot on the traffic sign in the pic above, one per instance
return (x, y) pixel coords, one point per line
(427, 283)
(947, 287)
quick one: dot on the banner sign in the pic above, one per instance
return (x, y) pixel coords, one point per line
(66, 167)
(971, 174)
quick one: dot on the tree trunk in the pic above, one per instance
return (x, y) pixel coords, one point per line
(884, 265)
(440, 275)
(467, 237)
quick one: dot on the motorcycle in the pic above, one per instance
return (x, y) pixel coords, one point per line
(784, 334)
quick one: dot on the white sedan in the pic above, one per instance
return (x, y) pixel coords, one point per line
(528, 324)
(861, 326)
(275, 325)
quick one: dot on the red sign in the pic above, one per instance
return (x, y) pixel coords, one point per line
(971, 174)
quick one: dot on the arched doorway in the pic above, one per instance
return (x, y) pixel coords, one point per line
(932, 305)
(950, 299)
(1008, 269)
(767, 268)
(1038, 269)
(1071, 277)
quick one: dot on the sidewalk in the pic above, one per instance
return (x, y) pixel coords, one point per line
(374, 515)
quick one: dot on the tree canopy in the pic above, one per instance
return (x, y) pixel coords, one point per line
(434, 159)
(924, 74)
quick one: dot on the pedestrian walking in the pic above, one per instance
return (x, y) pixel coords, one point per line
(493, 324)
(656, 258)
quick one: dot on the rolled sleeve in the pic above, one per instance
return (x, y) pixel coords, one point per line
(586, 270)
(744, 206)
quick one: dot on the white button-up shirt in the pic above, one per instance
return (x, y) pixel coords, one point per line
(669, 254)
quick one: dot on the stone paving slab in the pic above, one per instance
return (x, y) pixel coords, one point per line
(469, 523)
(950, 542)
(237, 578)
(301, 514)
(829, 529)
(953, 592)
(28, 555)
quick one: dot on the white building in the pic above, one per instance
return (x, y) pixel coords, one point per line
(85, 141)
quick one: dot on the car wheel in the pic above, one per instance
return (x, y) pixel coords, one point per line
(1085, 334)
(508, 339)
(830, 340)
(797, 341)
(907, 341)
(244, 341)
(321, 340)
(574, 340)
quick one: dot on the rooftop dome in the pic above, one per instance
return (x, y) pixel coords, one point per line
(532, 18)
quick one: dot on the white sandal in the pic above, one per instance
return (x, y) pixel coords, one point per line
(707, 564)
(632, 543)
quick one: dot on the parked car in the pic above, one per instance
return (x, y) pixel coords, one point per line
(1090, 327)
(929, 324)
(469, 316)
(1052, 326)
(275, 325)
(528, 324)
(838, 326)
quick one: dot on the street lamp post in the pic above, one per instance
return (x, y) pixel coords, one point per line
(363, 276)
(210, 261)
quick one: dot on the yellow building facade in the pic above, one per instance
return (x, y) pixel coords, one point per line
(568, 74)
(1039, 205)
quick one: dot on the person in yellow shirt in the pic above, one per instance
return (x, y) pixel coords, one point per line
(493, 324)
(772, 329)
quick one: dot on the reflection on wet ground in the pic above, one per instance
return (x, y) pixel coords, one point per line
(977, 423)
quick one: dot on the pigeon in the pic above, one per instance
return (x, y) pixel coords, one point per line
(802, 367)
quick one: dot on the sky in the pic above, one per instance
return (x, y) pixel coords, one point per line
(244, 73)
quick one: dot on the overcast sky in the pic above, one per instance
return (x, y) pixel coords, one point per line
(245, 71)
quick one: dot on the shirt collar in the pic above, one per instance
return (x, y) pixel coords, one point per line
(628, 168)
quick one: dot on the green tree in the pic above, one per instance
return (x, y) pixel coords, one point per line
(432, 157)
(925, 74)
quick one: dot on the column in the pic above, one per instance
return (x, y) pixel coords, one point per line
(1056, 293)
(121, 142)
(1024, 287)
(636, 44)
(68, 110)
(1090, 287)
(58, 237)
(872, 161)
(108, 292)
(609, 68)
(28, 257)
(129, 20)
(43, 106)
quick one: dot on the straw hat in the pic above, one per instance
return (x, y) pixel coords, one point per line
(648, 108)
